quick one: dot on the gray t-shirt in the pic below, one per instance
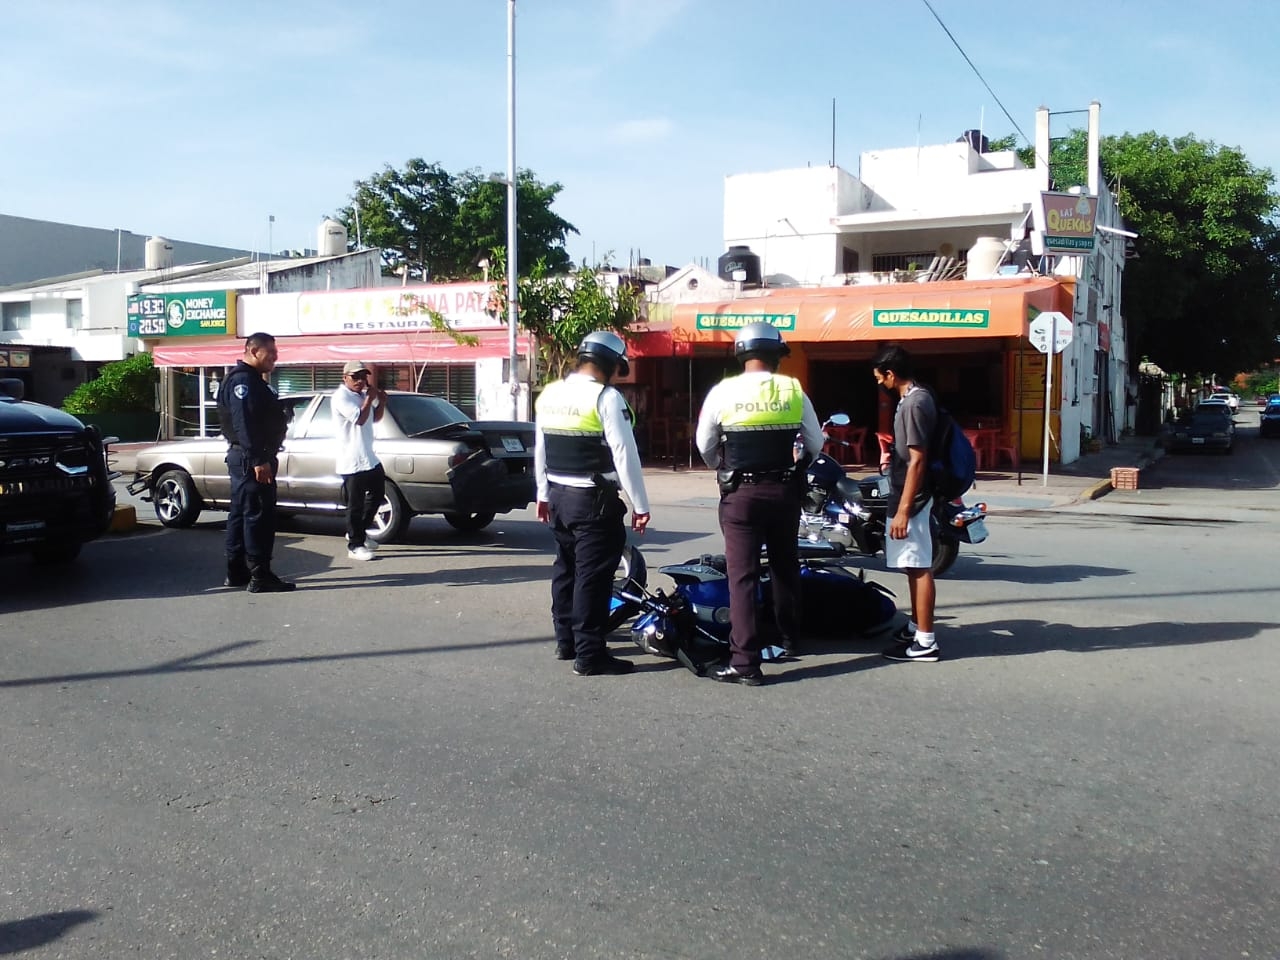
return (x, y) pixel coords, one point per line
(913, 425)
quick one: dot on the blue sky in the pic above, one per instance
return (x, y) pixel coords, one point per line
(196, 120)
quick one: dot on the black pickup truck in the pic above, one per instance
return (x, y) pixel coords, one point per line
(55, 489)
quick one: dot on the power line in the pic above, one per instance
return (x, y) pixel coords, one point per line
(977, 73)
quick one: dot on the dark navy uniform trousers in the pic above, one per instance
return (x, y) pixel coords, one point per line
(251, 521)
(754, 515)
(587, 523)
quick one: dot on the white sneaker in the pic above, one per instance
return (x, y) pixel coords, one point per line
(360, 553)
(371, 545)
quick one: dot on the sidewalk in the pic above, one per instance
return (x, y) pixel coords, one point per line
(1086, 479)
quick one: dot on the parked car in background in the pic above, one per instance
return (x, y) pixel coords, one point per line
(1208, 427)
(1216, 407)
(1231, 399)
(1269, 419)
(55, 488)
(437, 461)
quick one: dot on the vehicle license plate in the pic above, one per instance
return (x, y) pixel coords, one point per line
(512, 445)
(1197, 439)
(24, 526)
(977, 531)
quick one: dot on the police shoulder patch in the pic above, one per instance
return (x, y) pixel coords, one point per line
(241, 390)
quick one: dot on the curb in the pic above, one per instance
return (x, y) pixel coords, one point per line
(124, 520)
(1099, 489)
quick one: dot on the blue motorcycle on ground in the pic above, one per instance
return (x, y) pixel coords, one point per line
(691, 623)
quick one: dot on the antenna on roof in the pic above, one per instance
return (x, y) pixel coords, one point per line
(833, 131)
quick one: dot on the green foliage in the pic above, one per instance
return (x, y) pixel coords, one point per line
(126, 386)
(438, 225)
(1203, 293)
(1261, 384)
(560, 310)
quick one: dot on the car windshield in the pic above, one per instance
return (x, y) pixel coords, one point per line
(1207, 419)
(418, 414)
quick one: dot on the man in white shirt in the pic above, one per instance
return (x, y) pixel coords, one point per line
(357, 405)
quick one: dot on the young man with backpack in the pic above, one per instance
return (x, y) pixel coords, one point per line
(909, 545)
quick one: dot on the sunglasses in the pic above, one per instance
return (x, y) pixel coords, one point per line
(359, 375)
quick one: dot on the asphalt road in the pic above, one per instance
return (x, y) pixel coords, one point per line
(389, 762)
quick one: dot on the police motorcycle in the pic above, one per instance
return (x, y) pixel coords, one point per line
(691, 622)
(854, 513)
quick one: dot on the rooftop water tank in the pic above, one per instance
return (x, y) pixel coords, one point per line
(976, 140)
(331, 238)
(739, 259)
(984, 258)
(158, 254)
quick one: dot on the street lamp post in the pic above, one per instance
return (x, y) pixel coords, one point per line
(512, 273)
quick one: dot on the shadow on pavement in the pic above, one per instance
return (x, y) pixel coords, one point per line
(17, 936)
(1004, 638)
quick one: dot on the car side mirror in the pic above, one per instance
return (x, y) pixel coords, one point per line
(12, 387)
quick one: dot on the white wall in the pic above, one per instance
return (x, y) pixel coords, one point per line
(493, 393)
(785, 217)
(944, 178)
(101, 337)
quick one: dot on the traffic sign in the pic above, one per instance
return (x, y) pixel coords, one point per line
(1050, 332)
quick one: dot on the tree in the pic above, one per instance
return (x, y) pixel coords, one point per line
(437, 226)
(560, 310)
(125, 386)
(1203, 293)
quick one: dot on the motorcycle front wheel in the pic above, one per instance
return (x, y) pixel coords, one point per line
(631, 573)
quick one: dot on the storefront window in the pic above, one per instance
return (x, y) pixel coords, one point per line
(456, 382)
(195, 394)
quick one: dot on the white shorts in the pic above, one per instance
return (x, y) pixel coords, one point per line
(915, 552)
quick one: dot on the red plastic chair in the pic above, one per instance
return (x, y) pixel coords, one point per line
(975, 441)
(858, 444)
(1008, 446)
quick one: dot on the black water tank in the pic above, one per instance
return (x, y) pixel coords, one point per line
(740, 257)
(976, 140)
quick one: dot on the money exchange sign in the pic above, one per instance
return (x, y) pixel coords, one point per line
(197, 314)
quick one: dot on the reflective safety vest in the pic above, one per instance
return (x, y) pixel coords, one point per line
(760, 417)
(572, 431)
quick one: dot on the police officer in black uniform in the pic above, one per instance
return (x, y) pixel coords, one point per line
(748, 431)
(254, 423)
(586, 451)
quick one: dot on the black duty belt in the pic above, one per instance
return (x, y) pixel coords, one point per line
(766, 476)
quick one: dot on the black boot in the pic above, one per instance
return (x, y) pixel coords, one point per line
(237, 572)
(262, 580)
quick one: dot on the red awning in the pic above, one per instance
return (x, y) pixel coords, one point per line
(383, 348)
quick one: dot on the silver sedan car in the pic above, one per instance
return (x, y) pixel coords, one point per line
(437, 461)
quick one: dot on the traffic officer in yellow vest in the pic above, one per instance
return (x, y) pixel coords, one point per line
(586, 450)
(751, 429)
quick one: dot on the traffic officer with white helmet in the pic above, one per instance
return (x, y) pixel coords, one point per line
(751, 430)
(586, 451)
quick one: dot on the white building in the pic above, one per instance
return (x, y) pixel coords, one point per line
(942, 212)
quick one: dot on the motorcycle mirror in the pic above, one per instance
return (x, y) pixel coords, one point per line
(838, 419)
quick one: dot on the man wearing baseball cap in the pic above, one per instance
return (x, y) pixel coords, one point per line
(357, 405)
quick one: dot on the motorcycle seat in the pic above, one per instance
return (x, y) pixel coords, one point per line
(820, 549)
(849, 490)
